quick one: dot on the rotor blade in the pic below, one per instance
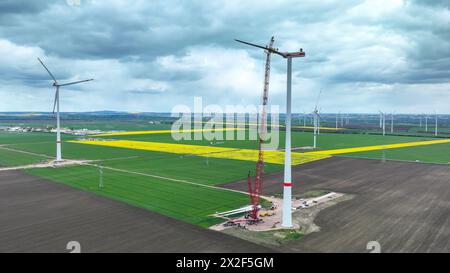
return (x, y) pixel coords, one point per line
(56, 99)
(262, 47)
(71, 83)
(50, 73)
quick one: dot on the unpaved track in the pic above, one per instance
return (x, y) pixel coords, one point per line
(37, 215)
(403, 206)
(168, 179)
(23, 152)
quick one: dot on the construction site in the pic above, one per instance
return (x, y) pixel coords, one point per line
(320, 152)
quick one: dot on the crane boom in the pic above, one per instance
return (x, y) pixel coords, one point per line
(255, 193)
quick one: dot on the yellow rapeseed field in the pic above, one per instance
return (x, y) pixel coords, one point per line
(275, 157)
(379, 147)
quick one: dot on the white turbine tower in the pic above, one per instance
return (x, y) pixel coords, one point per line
(383, 122)
(392, 122)
(435, 124)
(287, 185)
(316, 118)
(304, 119)
(56, 107)
(337, 120)
(318, 121)
(426, 122)
(316, 126)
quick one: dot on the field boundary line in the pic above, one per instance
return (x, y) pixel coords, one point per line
(44, 165)
(394, 160)
(166, 178)
(116, 158)
(25, 152)
(28, 143)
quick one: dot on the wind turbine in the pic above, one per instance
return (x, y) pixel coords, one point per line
(337, 119)
(316, 126)
(392, 122)
(383, 122)
(426, 122)
(287, 185)
(56, 107)
(435, 124)
(316, 117)
(318, 120)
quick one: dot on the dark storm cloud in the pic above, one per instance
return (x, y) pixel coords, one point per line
(435, 3)
(168, 48)
(22, 6)
(152, 28)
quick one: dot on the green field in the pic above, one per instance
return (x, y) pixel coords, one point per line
(10, 158)
(105, 124)
(150, 179)
(189, 203)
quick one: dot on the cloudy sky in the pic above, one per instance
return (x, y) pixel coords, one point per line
(152, 55)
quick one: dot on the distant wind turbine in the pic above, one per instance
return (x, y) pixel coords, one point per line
(316, 117)
(304, 119)
(392, 122)
(436, 124)
(383, 122)
(337, 119)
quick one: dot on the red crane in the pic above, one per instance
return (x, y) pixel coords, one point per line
(255, 191)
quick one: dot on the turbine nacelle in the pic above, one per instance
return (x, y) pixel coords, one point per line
(300, 53)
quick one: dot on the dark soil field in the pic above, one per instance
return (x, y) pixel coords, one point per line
(403, 206)
(41, 216)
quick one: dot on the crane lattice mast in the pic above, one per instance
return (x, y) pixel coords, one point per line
(256, 190)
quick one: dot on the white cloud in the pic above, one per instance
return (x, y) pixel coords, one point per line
(152, 55)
